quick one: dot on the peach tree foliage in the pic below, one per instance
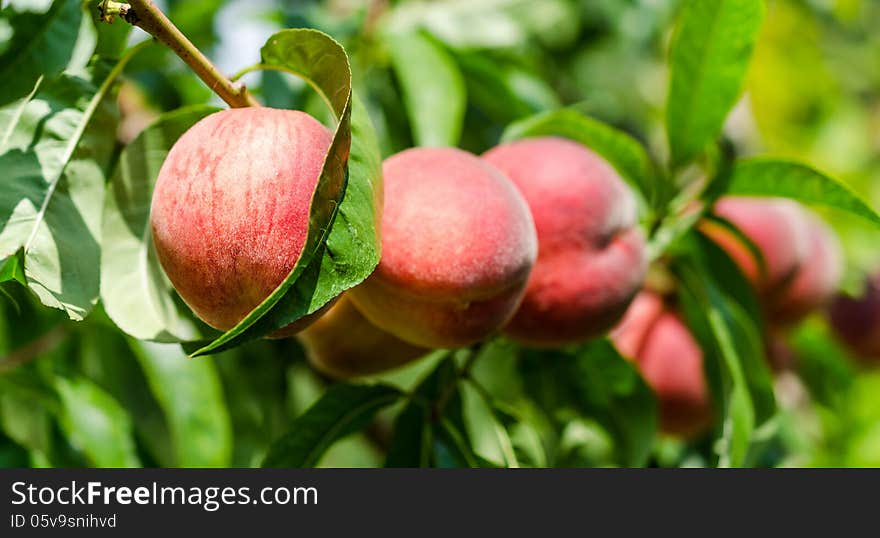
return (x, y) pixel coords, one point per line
(115, 388)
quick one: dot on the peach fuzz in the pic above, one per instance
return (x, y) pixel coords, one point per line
(670, 360)
(591, 253)
(458, 244)
(230, 209)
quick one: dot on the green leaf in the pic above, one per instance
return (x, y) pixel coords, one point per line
(341, 411)
(12, 268)
(11, 454)
(625, 153)
(134, 289)
(413, 432)
(342, 247)
(452, 448)
(257, 383)
(42, 44)
(27, 421)
(433, 88)
(739, 424)
(96, 424)
(489, 436)
(726, 274)
(709, 58)
(823, 365)
(524, 434)
(55, 151)
(191, 396)
(597, 383)
(772, 177)
(104, 356)
(612, 392)
(503, 90)
(412, 438)
(732, 339)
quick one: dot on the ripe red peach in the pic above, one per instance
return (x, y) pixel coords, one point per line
(815, 283)
(343, 344)
(802, 259)
(856, 321)
(230, 209)
(671, 361)
(591, 253)
(458, 244)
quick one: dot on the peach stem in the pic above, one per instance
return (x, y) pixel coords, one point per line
(145, 15)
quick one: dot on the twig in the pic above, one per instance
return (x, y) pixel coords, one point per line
(145, 15)
(33, 349)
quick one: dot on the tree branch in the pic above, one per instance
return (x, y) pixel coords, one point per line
(145, 15)
(33, 349)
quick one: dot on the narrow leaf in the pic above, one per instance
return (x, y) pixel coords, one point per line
(96, 424)
(12, 268)
(504, 91)
(710, 54)
(413, 438)
(433, 88)
(611, 391)
(771, 177)
(191, 396)
(341, 411)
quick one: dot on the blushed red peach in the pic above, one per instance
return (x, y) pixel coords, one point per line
(802, 259)
(670, 360)
(591, 253)
(458, 244)
(343, 344)
(230, 208)
(816, 281)
(856, 321)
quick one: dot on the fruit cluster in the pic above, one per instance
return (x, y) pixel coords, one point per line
(537, 239)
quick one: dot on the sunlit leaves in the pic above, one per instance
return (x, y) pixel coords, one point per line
(57, 163)
(136, 294)
(708, 61)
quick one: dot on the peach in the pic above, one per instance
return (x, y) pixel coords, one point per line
(343, 344)
(458, 244)
(230, 210)
(591, 254)
(815, 283)
(670, 360)
(856, 321)
(802, 259)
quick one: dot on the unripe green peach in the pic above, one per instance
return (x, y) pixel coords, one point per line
(458, 244)
(671, 361)
(591, 253)
(343, 344)
(230, 210)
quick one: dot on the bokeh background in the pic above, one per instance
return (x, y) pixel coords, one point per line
(813, 93)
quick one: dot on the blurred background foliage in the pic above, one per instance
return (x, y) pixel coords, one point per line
(82, 393)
